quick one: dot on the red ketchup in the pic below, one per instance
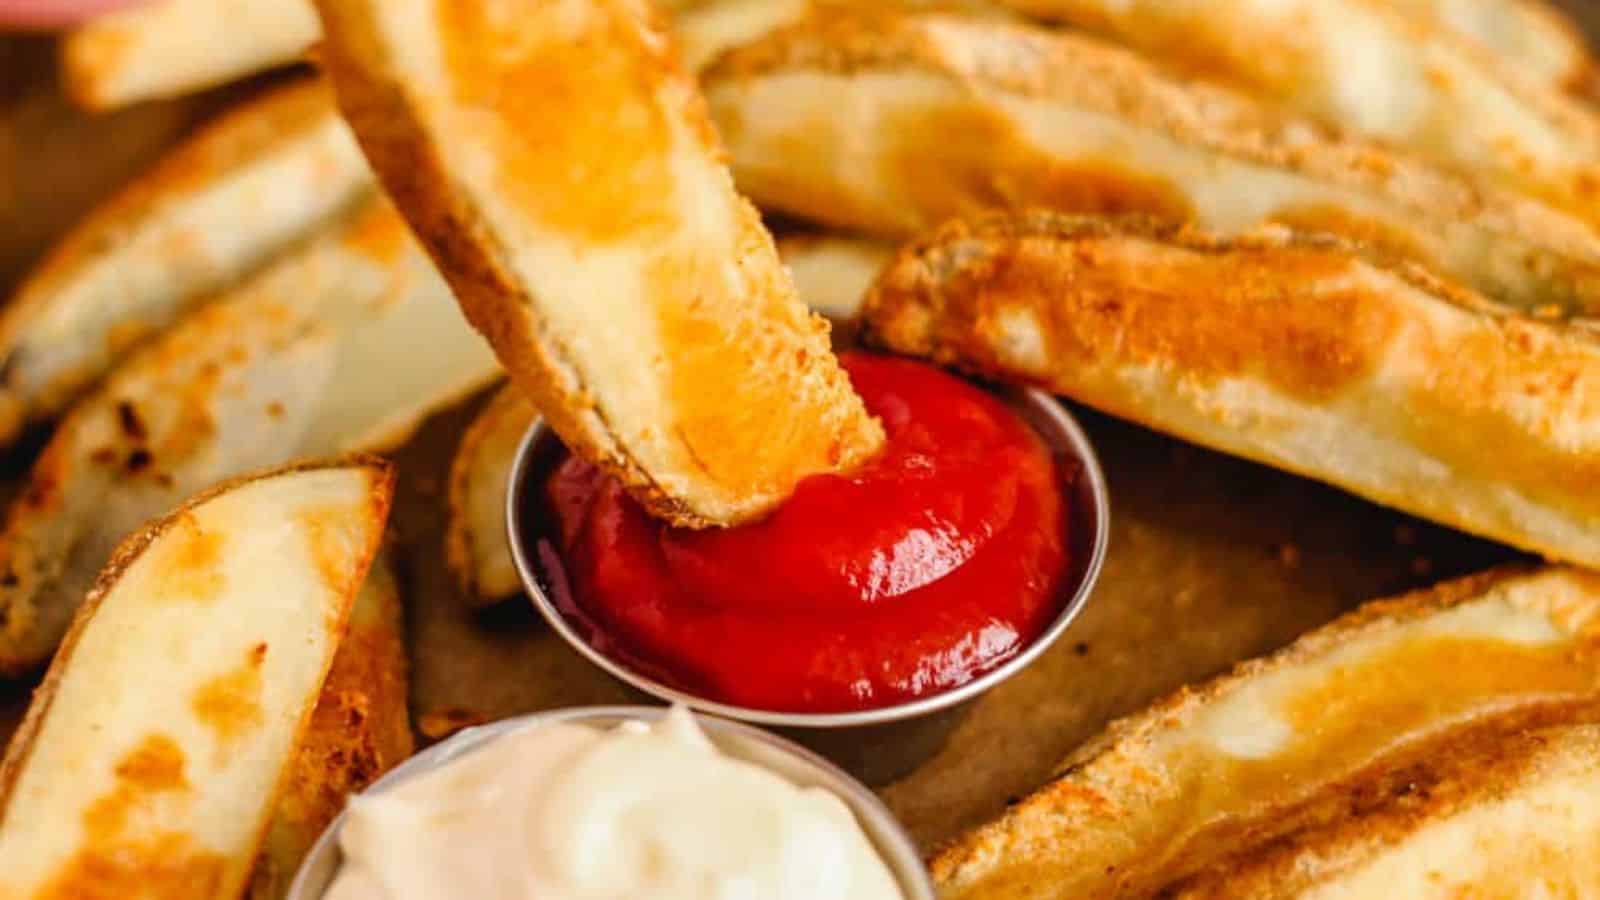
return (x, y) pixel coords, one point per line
(932, 564)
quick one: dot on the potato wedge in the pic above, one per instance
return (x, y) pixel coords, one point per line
(595, 237)
(1285, 349)
(257, 180)
(344, 345)
(1370, 69)
(152, 756)
(475, 536)
(832, 274)
(360, 729)
(894, 124)
(171, 47)
(1375, 749)
(1530, 36)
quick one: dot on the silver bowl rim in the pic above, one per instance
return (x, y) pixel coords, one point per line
(889, 838)
(1032, 403)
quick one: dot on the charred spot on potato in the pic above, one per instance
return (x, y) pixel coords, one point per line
(131, 424)
(138, 461)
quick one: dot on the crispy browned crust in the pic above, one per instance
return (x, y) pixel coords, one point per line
(480, 454)
(1559, 255)
(1429, 786)
(361, 728)
(229, 142)
(1280, 57)
(128, 551)
(23, 740)
(1255, 345)
(1425, 774)
(373, 97)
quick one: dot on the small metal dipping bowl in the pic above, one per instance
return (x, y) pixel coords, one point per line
(797, 765)
(875, 745)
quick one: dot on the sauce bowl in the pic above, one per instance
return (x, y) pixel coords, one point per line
(883, 743)
(796, 764)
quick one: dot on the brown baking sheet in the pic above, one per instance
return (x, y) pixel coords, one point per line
(1212, 560)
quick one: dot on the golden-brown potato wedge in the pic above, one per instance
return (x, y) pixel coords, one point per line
(475, 534)
(1389, 748)
(1289, 350)
(1530, 36)
(560, 166)
(222, 204)
(170, 47)
(344, 345)
(832, 274)
(1371, 69)
(360, 729)
(894, 124)
(152, 756)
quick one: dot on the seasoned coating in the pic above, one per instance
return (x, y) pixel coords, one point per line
(344, 345)
(893, 124)
(1373, 68)
(360, 729)
(628, 290)
(1285, 349)
(209, 631)
(222, 204)
(1388, 747)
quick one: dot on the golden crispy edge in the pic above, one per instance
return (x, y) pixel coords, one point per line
(1566, 114)
(1399, 798)
(1123, 738)
(372, 96)
(230, 140)
(22, 741)
(907, 312)
(360, 729)
(1089, 73)
(508, 408)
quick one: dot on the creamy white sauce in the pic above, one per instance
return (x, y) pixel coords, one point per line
(570, 812)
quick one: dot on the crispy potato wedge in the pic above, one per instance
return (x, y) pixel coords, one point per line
(254, 182)
(170, 47)
(1370, 69)
(475, 535)
(1391, 744)
(1531, 36)
(1289, 350)
(344, 345)
(629, 291)
(152, 756)
(894, 124)
(360, 729)
(164, 48)
(832, 274)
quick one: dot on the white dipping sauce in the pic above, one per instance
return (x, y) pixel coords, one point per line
(570, 812)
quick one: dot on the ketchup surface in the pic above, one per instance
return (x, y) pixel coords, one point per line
(935, 562)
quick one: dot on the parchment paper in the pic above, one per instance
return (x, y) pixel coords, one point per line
(1212, 560)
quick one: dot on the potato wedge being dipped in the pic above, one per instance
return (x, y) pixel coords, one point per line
(245, 188)
(342, 346)
(151, 757)
(714, 391)
(892, 124)
(1431, 745)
